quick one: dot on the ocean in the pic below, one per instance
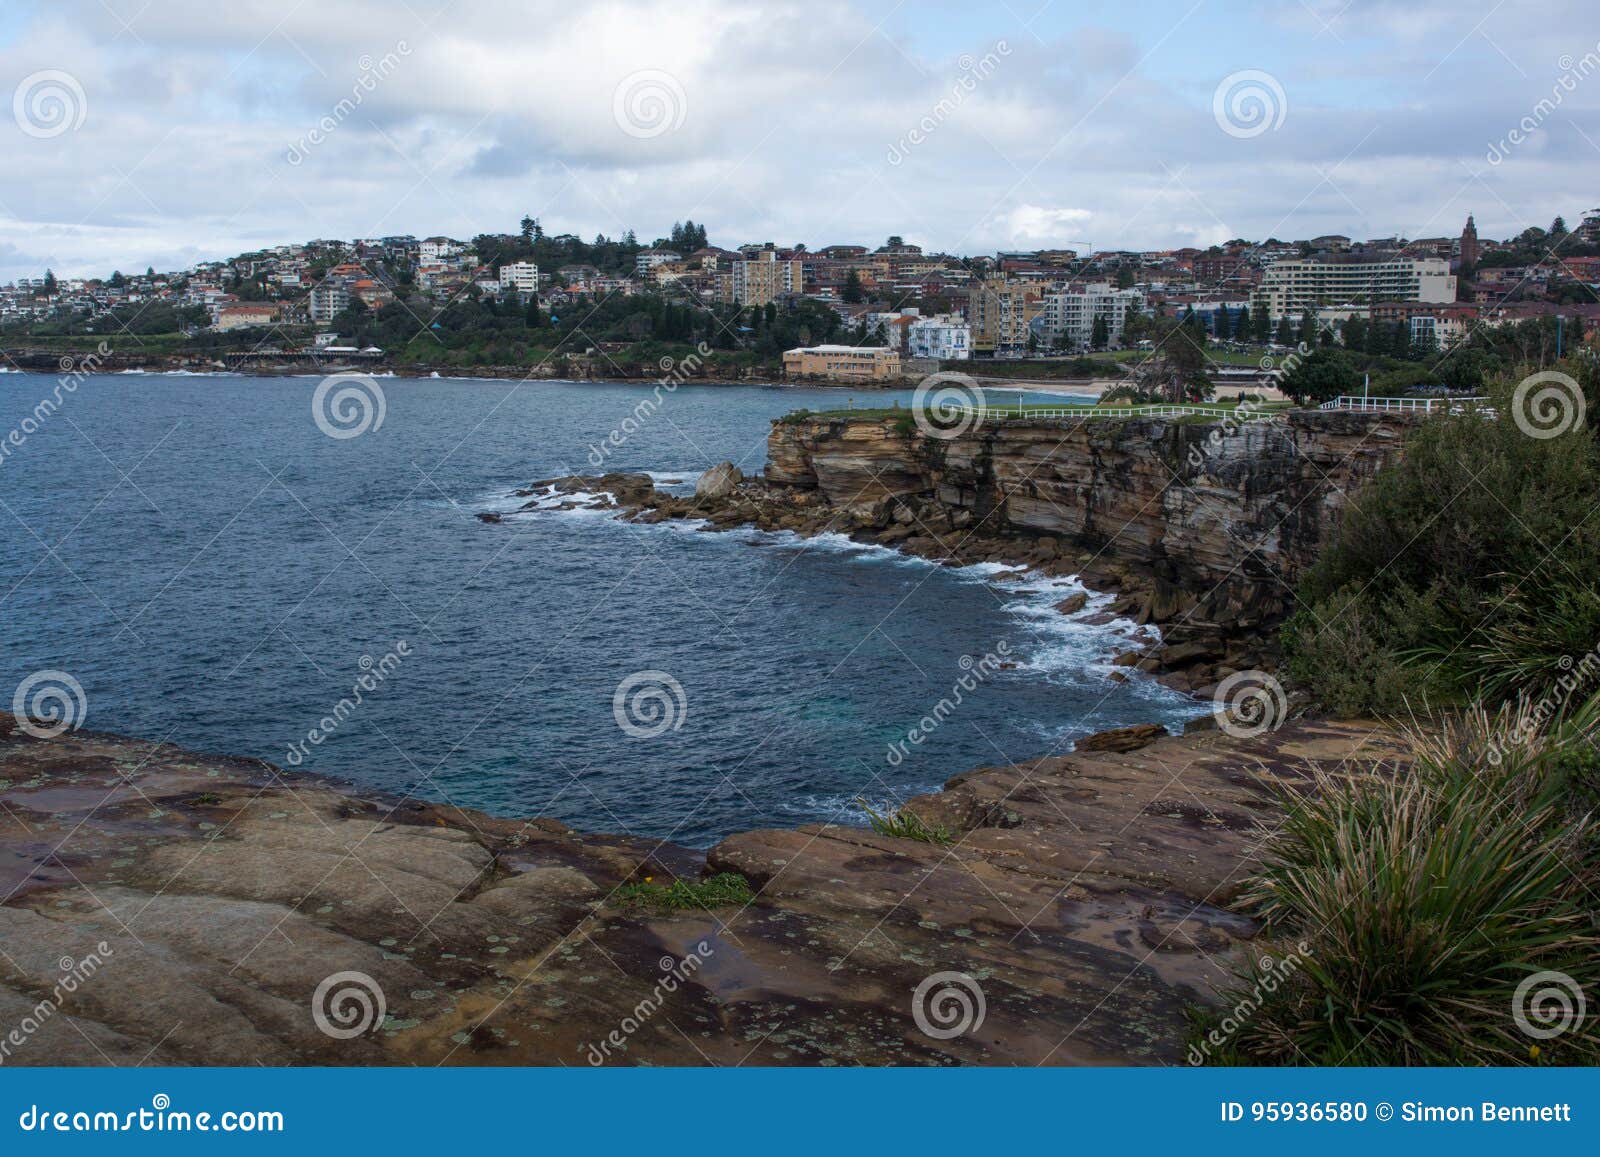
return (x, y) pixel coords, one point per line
(217, 569)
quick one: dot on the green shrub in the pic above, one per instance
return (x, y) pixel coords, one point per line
(1463, 571)
(1424, 897)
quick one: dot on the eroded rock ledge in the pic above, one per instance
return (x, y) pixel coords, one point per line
(1086, 895)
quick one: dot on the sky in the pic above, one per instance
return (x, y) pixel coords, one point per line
(165, 132)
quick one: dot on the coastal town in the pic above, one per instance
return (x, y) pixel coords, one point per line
(536, 302)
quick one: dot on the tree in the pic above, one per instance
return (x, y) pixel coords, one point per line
(1178, 369)
(1558, 228)
(851, 293)
(49, 283)
(1321, 376)
(1285, 335)
(1308, 328)
(1262, 324)
(1099, 333)
(1223, 323)
(1244, 325)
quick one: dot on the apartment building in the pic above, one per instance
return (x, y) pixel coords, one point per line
(1294, 286)
(1438, 326)
(1001, 312)
(857, 363)
(1067, 315)
(647, 259)
(328, 300)
(944, 336)
(762, 278)
(519, 277)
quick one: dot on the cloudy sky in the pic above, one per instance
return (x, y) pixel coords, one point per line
(161, 132)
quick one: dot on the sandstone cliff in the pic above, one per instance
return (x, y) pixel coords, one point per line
(1215, 518)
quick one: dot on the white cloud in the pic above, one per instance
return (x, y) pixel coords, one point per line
(502, 107)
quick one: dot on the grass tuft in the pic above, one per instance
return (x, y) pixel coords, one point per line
(724, 890)
(905, 825)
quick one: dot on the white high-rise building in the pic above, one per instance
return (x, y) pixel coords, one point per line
(519, 276)
(1292, 287)
(1068, 314)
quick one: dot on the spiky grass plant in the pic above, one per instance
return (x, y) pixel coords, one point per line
(1427, 895)
(906, 825)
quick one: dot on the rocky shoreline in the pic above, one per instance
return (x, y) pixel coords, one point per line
(1188, 658)
(222, 905)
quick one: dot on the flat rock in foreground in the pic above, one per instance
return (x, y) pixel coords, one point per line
(197, 903)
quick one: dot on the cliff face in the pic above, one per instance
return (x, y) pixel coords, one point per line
(1237, 509)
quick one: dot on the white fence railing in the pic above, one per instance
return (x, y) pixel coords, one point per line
(1125, 412)
(1406, 405)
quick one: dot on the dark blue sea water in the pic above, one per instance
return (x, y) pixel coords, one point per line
(217, 572)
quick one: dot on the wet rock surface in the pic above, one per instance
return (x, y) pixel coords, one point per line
(1084, 896)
